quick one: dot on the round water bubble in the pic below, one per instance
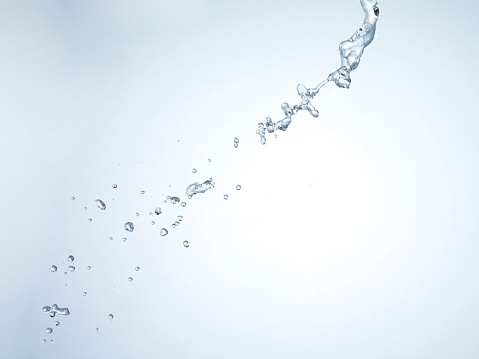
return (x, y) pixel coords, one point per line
(137, 268)
(163, 232)
(70, 258)
(88, 268)
(73, 198)
(85, 294)
(186, 244)
(111, 238)
(71, 268)
(180, 218)
(49, 330)
(152, 223)
(158, 211)
(238, 187)
(183, 204)
(142, 192)
(53, 268)
(129, 226)
(130, 279)
(226, 196)
(44, 340)
(46, 308)
(194, 170)
(114, 185)
(89, 219)
(57, 323)
(110, 316)
(100, 204)
(125, 239)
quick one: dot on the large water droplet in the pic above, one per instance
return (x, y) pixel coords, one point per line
(71, 268)
(163, 232)
(70, 258)
(196, 187)
(238, 187)
(53, 268)
(186, 244)
(100, 204)
(158, 211)
(46, 308)
(129, 226)
(49, 330)
(174, 200)
(110, 316)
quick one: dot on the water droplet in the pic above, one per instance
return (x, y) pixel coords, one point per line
(65, 273)
(177, 223)
(137, 268)
(163, 232)
(142, 192)
(52, 314)
(73, 198)
(111, 238)
(96, 329)
(194, 170)
(125, 239)
(196, 187)
(209, 159)
(100, 204)
(183, 204)
(71, 268)
(85, 294)
(88, 268)
(89, 219)
(186, 244)
(85, 208)
(129, 226)
(49, 330)
(236, 142)
(137, 214)
(174, 200)
(53, 268)
(180, 218)
(114, 185)
(167, 197)
(226, 196)
(70, 258)
(150, 213)
(57, 323)
(60, 311)
(173, 225)
(158, 211)
(44, 341)
(51, 341)
(130, 279)
(46, 308)
(238, 187)
(110, 316)
(152, 223)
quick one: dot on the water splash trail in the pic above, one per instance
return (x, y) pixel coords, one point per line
(350, 51)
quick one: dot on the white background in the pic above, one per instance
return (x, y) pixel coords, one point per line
(355, 234)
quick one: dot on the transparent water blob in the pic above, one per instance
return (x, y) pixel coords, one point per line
(114, 185)
(73, 198)
(100, 204)
(88, 268)
(129, 226)
(44, 340)
(89, 219)
(183, 204)
(158, 211)
(110, 316)
(61, 311)
(53, 268)
(174, 200)
(49, 330)
(142, 192)
(70, 258)
(196, 187)
(180, 218)
(57, 323)
(46, 308)
(85, 294)
(226, 196)
(186, 244)
(52, 314)
(137, 268)
(71, 268)
(125, 239)
(238, 187)
(152, 223)
(163, 232)
(130, 279)
(194, 170)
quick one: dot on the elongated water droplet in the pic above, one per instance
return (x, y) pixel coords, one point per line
(53, 268)
(100, 204)
(70, 258)
(71, 268)
(196, 187)
(158, 211)
(186, 244)
(110, 316)
(60, 311)
(236, 142)
(49, 330)
(163, 232)
(46, 308)
(129, 226)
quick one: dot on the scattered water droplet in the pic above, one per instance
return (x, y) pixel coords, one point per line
(46, 308)
(238, 187)
(152, 223)
(125, 239)
(88, 268)
(180, 218)
(236, 142)
(226, 196)
(137, 214)
(51, 341)
(130, 279)
(129, 226)
(49, 330)
(85, 208)
(186, 244)
(150, 213)
(44, 341)
(137, 268)
(57, 323)
(60, 311)
(96, 329)
(85, 294)
(173, 225)
(100, 204)
(174, 200)
(209, 159)
(163, 232)
(110, 316)
(177, 223)
(196, 187)
(158, 211)
(111, 238)
(70, 258)
(89, 219)
(53, 268)
(194, 170)
(71, 268)
(183, 204)
(73, 198)
(65, 273)
(142, 192)
(114, 185)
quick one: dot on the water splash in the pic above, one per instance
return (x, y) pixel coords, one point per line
(350, 52)
(197, 187)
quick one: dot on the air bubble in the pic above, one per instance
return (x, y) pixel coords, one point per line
(52, 314)
(129, 226)
(137, 214)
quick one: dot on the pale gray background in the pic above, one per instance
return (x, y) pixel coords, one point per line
(355, 234)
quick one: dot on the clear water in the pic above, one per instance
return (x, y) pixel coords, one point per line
(195, 188)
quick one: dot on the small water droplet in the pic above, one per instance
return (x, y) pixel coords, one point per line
(110, 316)
(85, 208)
(177, 223)
(49, 330)
(174, 200)
(89, 219)
(114, 185)
(275, 136)
(137, 268)
(46, 308)
(183, 204)
(238, 187)
(150, 213)
(173, 225)
(189, 197)
(71, 268)
(129, 226)
(180, 218)
(70, 258)
(96, 329)
(163, 232)
(100, 204)
(186, 244)
(44, 341)
(111, 238)
(88, 268)
(125, 239)
(130, 279)
(158, 211)
(52, 314)
(65, 273)
(73, 198)
(51, 341)
(57, 323)
(137, 214)
(85, 294)
(194, 170)
(152, 223)
(53, 268)
(142, 192)
(167, 197)
(226, 196)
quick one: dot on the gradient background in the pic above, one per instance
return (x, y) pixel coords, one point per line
(355, 234)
